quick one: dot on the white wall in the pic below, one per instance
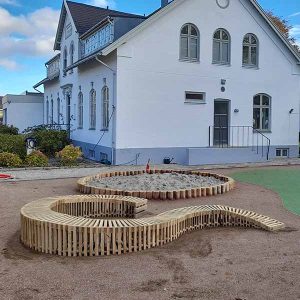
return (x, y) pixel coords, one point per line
(23, 111)
(152, 81)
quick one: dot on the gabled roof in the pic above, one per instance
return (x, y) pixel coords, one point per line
(160, 13)
(86, 17)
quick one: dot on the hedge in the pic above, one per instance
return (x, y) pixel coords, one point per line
(13, 144)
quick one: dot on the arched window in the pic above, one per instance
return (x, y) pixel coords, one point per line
(80, 110)
(93, 109)
(51, 111)
(58, 110)
(72, 50)
(262, 112)
(105, 108)
(65, 58)
(250, 50)
(221, 47)
(47, 111)
(189, 42)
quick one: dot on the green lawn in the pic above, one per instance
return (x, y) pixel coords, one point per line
(285, 182)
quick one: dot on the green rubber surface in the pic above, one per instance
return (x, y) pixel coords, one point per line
(285, 182)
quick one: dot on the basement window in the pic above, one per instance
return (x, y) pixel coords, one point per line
(282, 152)
(92, 154)
(195, 97)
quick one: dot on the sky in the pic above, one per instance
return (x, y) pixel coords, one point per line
(28, 27)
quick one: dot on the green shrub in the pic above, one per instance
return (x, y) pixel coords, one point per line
(50, 141)
(36, 159)
(10, 160)
(4, 129)
(69, 155)
(13, 144)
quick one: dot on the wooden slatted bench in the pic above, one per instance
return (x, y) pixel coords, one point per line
(85, 186)
(94, 225)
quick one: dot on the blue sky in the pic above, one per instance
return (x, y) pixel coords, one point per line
(27, 29)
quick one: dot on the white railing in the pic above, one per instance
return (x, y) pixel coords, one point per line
(97, 40)
(53, 68)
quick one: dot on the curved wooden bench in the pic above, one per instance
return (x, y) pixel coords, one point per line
(104, 225)
(85, 187)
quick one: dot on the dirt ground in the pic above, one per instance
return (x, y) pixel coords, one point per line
(218, 264)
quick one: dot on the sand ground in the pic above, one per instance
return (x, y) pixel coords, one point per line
(217, 264)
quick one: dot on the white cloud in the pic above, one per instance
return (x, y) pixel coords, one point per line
(295, 31)
(29, 35)
(8, 64)
(103, 3)
(296, 14)
(10, 2)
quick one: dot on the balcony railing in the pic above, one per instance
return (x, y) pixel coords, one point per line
(53, 67)
(240, 136)
(97, 40)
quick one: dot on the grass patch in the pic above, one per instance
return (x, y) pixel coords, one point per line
(285, 182)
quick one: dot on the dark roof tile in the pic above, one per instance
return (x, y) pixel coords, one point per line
(86, 16)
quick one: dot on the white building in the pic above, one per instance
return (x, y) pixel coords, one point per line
(209, 81)
(23, 111)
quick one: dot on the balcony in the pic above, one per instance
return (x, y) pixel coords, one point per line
(97, 40)
(53, 67)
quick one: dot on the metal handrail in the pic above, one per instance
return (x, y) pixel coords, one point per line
(239, 136)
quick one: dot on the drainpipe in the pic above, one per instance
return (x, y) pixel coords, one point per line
(113, 127)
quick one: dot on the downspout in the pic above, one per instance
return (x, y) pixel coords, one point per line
(113, 126)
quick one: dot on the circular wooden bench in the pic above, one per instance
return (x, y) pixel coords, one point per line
(85, 186)
(105, 225)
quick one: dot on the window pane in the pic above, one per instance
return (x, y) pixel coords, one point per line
(246, 39)
(266, 101)
(225, 36)
(285, 152)
(194, 96)
(194, 48)
(253, 40)
(217, 35)
(225, 52)
(265, 118)
(256, 118)
(216, 51)
(256, 100)
(245, 55)
(278, 152)
(194, 31)
(184, 47)
(185, 30)
(253, 56)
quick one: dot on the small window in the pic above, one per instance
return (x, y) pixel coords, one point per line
(250, 50)
(282, 152)
(58, 111)
(52, 112)
(47, 111)
(68, 31)
(65, 59)
(103, 157)
(72, 50)
(189, 43)
(262, 112)
(80, 110)
(91, 153)
(195, 97)
(105, 108)
(93, 109)
(221, 47)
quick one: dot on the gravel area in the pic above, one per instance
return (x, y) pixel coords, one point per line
(212, 264)
(155, 182)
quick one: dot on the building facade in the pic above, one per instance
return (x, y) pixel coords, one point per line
(190, 82)
(23, 111)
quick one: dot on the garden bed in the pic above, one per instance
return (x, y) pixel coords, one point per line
(159, 184)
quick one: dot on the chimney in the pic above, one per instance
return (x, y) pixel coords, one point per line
(164, 3)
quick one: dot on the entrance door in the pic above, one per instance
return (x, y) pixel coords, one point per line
(221, 123)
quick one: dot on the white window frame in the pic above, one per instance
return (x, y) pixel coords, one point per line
(58, 110)
(250, 46)
(93, 109)
(189, 38)
(47, 111)
(80, 110)
(220, 41)
(72, 51)
(105, 108)
(195, 101)
(281, 150)
(261, 107)
(52, 111)
(65, 59)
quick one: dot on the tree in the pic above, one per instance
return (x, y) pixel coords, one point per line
(284, 27)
